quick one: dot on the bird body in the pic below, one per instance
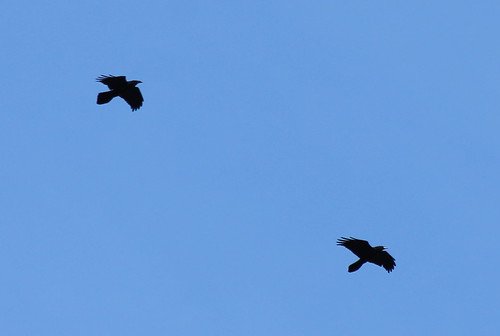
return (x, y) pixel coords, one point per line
(366, 253)
(120, 87)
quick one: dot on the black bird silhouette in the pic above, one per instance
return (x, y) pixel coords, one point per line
(119, 87)
(375, 255)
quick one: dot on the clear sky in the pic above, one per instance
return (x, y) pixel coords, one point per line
(269, 129)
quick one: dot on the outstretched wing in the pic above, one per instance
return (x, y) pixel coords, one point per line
(385, 260)
(359, 247)
(133, 97)
(113, 82)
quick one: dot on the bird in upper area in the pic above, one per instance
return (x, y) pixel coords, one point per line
(119, 87)
(366, 253)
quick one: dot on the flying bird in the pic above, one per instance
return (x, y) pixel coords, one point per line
(119, 87)
(366, 253)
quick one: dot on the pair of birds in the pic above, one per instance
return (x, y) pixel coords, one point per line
(128, 90)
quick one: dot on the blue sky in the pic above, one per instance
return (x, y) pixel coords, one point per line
(269, 130)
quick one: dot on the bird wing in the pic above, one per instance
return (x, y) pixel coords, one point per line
(359, 247)
(384, 259)
(133, 97)
(113, 82)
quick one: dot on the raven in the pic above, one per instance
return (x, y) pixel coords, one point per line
(119, 87)
(375, 255)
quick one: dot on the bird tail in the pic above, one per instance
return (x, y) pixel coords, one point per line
(354, 267)
(105, 97)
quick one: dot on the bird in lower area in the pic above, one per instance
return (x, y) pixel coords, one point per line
(366, 253)
(119, 87)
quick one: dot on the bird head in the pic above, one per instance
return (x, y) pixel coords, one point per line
(380, 248)
(135, 82)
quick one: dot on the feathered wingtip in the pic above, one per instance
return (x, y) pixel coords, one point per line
(342, 240)
(103, 77)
